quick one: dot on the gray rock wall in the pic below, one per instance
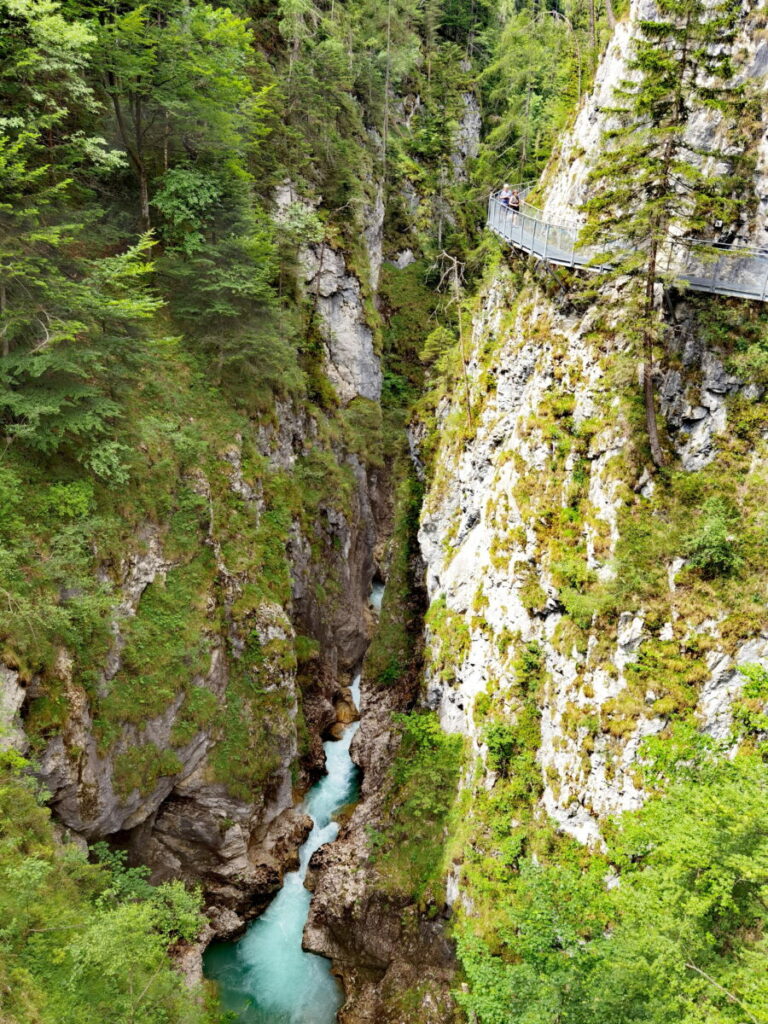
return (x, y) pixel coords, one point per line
(485, 547)
(567, 185)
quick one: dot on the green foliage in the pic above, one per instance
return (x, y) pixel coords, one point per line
(141, 767)
(71, 500)
(678, 59)
(680, 754)
(63, 320)
(650, 179)
(541, 61)
(451, 638)
(409, 853)
(256, 725)
(165, 647)
(395, 649)
(750, 709)
(500, 738)
(85, 943)
(679, 937)
(713, 549)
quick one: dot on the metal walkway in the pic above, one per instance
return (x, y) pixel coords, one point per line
(738, 271)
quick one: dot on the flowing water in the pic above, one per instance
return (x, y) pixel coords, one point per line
(266, 977)
(377, 596)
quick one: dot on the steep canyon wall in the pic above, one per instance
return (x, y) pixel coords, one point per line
(568, 618)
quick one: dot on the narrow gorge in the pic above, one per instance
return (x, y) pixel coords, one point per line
(384, 629)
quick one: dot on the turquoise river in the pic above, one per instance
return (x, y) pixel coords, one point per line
(266, 977)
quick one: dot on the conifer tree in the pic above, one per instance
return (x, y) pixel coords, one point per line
(63, 317)
(652, 178)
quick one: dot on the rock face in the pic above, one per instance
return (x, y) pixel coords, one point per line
(494, 576)
(351, 361)
(241, 851)
(485, 543)
(696, 415)
(467, 142)
(492, 563)
(262, 676)
(568, 187)
(12, 695)
(82, 784)
(154, 787)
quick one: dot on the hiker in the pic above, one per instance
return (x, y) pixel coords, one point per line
(505, 195)
(514, 205)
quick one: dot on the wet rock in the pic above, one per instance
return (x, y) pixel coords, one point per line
(380, 946)
(346, 711)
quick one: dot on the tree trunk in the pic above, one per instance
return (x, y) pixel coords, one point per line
(387, 77)
(650, 405)
(166, 137)
(6, 347)
(659, 229)
(134, 154)
(144, 197)
(610, 15)
(138, 127)
(657, 454)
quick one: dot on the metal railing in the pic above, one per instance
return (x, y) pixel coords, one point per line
(737, 270)
(719, 268)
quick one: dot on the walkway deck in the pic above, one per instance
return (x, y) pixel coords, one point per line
(733, 270)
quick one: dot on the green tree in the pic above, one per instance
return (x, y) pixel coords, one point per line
(678, 935)
(80, 943)
(176, 77)
(59, 335)
(650, 176)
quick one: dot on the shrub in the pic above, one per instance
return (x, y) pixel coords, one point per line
(501, 740)
(712, 549)
(70, 501)
(409, 853)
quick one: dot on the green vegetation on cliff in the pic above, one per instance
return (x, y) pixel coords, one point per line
(661, 924)
(666, 924)
(83, 942)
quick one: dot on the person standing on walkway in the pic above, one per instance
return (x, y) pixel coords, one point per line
(514, 205)
(505, 195)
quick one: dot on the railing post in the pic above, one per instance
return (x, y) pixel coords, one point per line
(546, 242)
(714, 273)
(533, 238)
(765, 283)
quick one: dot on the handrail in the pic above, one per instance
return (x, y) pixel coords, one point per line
(734, 247)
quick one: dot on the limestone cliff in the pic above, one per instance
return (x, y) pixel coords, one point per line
(540, 502)
(551, 434)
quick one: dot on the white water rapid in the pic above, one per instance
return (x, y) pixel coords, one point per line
(377, 596)
(266, 977)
